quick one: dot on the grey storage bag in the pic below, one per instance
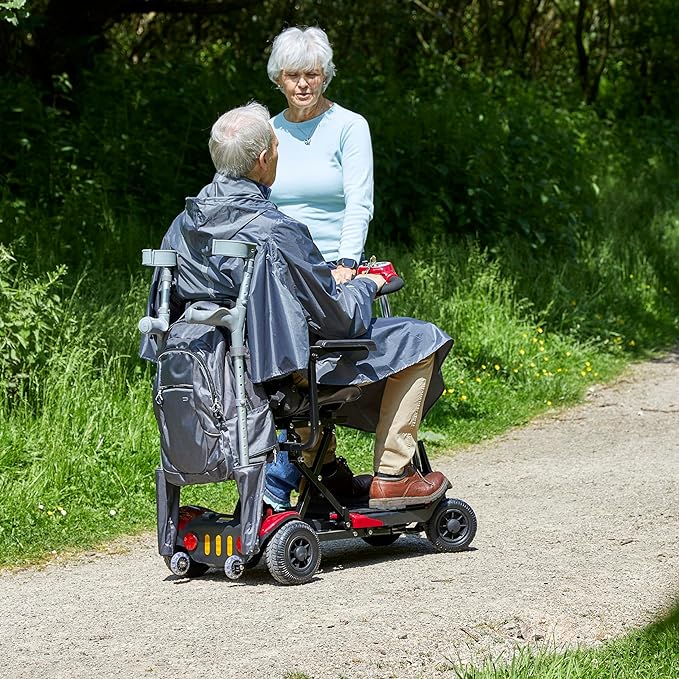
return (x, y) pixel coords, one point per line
(188, 401)
(194, 404)
(195, 407)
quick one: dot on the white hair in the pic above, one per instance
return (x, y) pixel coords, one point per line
(301, 49)
(238, 137)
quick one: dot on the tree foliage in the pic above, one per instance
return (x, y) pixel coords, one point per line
(495, 118)
(577, 45)
(13, 10)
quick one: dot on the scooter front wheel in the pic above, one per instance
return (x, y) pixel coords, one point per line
(452, 526)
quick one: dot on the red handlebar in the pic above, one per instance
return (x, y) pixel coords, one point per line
(384, 269)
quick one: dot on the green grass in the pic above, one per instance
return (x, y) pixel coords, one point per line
(77, 457)
(78, 449)
(652, 653)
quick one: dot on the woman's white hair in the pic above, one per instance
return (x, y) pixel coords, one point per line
(238, 137)
(301, 49)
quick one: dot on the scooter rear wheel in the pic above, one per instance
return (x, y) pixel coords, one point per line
(452, 526)
(293, 554)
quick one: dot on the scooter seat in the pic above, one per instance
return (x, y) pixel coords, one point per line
(339, 397)
(295, 403)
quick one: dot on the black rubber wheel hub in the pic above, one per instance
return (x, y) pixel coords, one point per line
(299, 553)
(451, 524)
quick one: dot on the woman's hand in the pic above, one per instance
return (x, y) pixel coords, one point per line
(342, 274)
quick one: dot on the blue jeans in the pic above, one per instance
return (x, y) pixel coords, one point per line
(282, 477)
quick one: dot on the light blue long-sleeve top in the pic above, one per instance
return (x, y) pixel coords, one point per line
(325, 179)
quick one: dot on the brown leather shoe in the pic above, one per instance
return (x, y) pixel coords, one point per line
(412, 489)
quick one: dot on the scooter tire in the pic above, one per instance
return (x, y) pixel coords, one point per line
(293, 553)
(452, 526)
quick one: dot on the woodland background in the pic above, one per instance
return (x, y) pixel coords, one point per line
(527, 187)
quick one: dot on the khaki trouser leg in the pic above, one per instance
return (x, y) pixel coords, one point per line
(400, 416)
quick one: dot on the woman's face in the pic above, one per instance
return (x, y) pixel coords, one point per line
(302, 89)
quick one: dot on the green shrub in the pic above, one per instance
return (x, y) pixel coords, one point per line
(31, 313)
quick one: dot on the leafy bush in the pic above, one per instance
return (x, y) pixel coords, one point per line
(31, 312)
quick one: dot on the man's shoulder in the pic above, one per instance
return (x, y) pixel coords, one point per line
(281, 219)
(288, 234)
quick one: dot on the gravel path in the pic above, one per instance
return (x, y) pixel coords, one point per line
(578, 541)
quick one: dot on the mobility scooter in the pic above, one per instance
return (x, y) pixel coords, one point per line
(193, 539)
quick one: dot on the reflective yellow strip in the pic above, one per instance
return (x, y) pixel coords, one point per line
(229, 545)
(207, 544)
(218, 545)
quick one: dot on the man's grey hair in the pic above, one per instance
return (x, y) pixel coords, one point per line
(301, 49)
(237, 139)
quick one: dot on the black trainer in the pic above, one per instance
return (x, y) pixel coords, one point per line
(350, 490)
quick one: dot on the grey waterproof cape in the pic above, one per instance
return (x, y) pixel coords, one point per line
(294, 298)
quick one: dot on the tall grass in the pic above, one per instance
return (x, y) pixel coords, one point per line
(77, 452)
(75, 456)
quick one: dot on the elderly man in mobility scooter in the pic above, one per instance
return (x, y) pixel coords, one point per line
(294, 300)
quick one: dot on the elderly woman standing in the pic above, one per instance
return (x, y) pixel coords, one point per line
(325, 167)
(325, 181)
